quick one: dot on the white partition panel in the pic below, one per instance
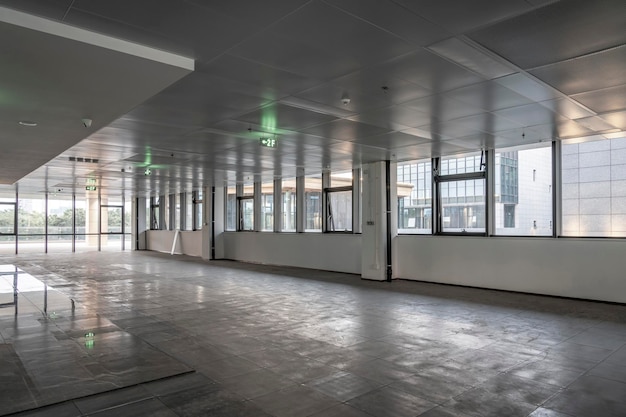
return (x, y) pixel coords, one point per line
(576, 268)
(330, 252)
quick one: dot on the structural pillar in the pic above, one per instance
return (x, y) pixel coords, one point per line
(374, 214)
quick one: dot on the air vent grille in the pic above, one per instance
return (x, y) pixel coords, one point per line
(87, 160)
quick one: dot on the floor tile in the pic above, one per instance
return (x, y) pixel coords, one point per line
(253, 334)
(387, 402)
(199, 401)
(342, 385)
(116, 398)
(295, 401)
(145, 408)
(256, 383)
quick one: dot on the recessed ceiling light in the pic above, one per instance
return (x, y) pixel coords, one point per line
(28, 123)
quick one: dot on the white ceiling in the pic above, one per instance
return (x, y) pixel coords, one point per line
(424, 78)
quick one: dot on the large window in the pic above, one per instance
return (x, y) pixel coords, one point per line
(196, 210)
(313, 203)
(246, 208)
(594, 188)
(8, 226)
(339, 202)
(414, 188)
(462, 194)
(155, 213)
(288, 196)
(267, 206)
(31, 226)
(231, 208)
(60, 223)
(523, 191)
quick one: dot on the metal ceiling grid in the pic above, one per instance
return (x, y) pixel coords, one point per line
(423, 79)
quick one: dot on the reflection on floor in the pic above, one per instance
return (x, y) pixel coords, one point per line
(54, 350)
(270, 341)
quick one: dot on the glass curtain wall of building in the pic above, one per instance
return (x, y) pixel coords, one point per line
(594, 188)
(523, 191)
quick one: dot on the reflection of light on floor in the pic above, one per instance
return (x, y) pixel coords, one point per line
(21, 293)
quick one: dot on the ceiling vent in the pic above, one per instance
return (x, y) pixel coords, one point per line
(87, 160)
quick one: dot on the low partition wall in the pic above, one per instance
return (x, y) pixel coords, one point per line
(326, 251)
(578, 268)
(187, 243)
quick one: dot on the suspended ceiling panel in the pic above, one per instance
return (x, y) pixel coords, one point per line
(54, 76)
(340, 82)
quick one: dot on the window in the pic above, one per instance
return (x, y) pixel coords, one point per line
(523, 191)
(246, 209)
(178, 212)
(594, 188)
(189, 214)
(288, 196)
(267, 206)
(60, 223)
(339, 202)
(414, 189)
(231, 208)
(462, 196)
(509, 216)
(313, 203)
(246, 216)
(154, 213)
(196, 210)
(8, 227)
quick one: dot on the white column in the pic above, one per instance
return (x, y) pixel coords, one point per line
(374, 237)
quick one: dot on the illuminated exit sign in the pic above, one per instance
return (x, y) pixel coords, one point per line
(90, 188)
(268, 142)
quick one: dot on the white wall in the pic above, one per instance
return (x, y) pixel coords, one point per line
(327, 251)
(564, 267)
(188, 242)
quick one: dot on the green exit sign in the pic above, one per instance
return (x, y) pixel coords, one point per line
(90, 188)
(269, 142)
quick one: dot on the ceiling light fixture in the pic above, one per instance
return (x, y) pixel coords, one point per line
(28, 123)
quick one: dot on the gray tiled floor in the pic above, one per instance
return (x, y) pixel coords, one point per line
(176, 336)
